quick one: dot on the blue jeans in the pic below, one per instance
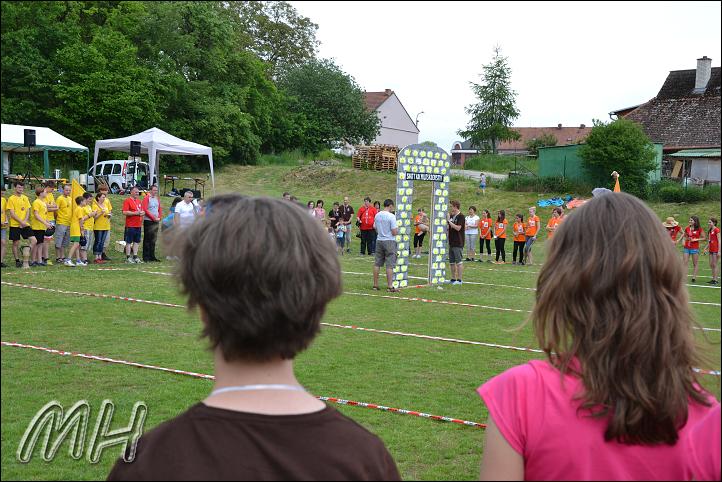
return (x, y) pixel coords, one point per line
(99, 241)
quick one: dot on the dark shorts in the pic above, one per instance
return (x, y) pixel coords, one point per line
(16, 233)
(133, 235)
(39, 235)
(456, 255)
(385, 254)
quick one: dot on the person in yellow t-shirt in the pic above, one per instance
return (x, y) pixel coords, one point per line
(77, 219)
(4, 228)
(39, 224)
(62, 223)
(18, 213)
(88, 224)
(101, 227)
(109, 208)
(52, 209)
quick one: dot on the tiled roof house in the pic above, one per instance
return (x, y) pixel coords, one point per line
(462, 150)
(685, 118)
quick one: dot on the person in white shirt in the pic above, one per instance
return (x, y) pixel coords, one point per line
(471, 233)
(185, 211)
(387, 228)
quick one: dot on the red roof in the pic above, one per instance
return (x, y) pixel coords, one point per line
(564, 136)
(375, 99)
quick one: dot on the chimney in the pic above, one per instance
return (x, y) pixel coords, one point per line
(559, 126)
(582, 126)
(389, 91)
(704, 71)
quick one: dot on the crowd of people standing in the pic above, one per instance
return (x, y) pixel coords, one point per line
(77, 225)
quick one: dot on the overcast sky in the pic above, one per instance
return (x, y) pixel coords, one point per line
(571, 61)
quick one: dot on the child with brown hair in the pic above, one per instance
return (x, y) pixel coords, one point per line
(618, 390)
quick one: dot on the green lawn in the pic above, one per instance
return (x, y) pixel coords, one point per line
(426, 375)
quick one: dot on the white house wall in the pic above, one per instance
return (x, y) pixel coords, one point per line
(396, 126)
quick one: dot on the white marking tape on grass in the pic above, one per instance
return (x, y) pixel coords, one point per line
(340, 401)
(436, 338)
(171, 305)
(425, 300)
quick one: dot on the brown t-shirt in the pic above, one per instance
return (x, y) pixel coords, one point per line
(207, 443)
(456, 238)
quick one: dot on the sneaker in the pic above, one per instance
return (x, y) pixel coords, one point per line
(69, 262)
(42, 263)
(80, 262)
(137, 260)
(35, 263)
(47, 262)
(467, 259)
(98, 261)
(105, 257)
(129, 260)
(18, 263)
(711, 282)
(59, 260)
(513, 263)
(694, 280)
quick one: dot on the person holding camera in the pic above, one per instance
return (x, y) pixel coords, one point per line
(457, 225)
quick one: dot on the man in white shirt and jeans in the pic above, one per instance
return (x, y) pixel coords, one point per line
(387, 229)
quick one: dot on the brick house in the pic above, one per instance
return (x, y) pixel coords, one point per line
(684, 116)
(462, 150)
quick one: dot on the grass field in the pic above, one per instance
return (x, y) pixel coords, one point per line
(431, 376)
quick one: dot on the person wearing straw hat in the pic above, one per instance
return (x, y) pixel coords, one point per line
(672, 227)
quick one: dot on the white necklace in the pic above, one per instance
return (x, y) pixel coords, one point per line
(251, 388)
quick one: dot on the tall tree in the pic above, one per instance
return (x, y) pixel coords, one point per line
(275, 32)
(331, 105)
(493, 115)
(620, 146)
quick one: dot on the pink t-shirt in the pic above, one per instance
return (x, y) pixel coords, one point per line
(703, 443)
(536, 413)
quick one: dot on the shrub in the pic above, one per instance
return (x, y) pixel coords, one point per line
(545, 185)
(500, 164)
(673, 192)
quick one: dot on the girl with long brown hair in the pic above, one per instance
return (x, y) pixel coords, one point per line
(618, 389)
(693, 234)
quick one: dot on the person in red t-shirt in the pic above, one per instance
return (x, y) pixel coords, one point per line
(672, 227)
(713, 239)
(133, 211)
(693, 234)
(365, 220)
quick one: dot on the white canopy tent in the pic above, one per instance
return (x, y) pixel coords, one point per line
(155, 142)
(46, 139)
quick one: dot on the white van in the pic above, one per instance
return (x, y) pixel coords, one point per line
(120, 175)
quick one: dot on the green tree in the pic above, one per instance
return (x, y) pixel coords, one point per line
(275, 32)
(429, 143)
(492, 116)
(330, 104)
(544, 140)
(620, 146)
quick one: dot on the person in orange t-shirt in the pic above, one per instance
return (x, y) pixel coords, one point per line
(519, 230)
(500, 236)
(532, 228)
(485, 225)
(421, 223)
(553, 224)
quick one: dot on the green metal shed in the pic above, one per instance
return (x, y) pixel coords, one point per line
(564, 161)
